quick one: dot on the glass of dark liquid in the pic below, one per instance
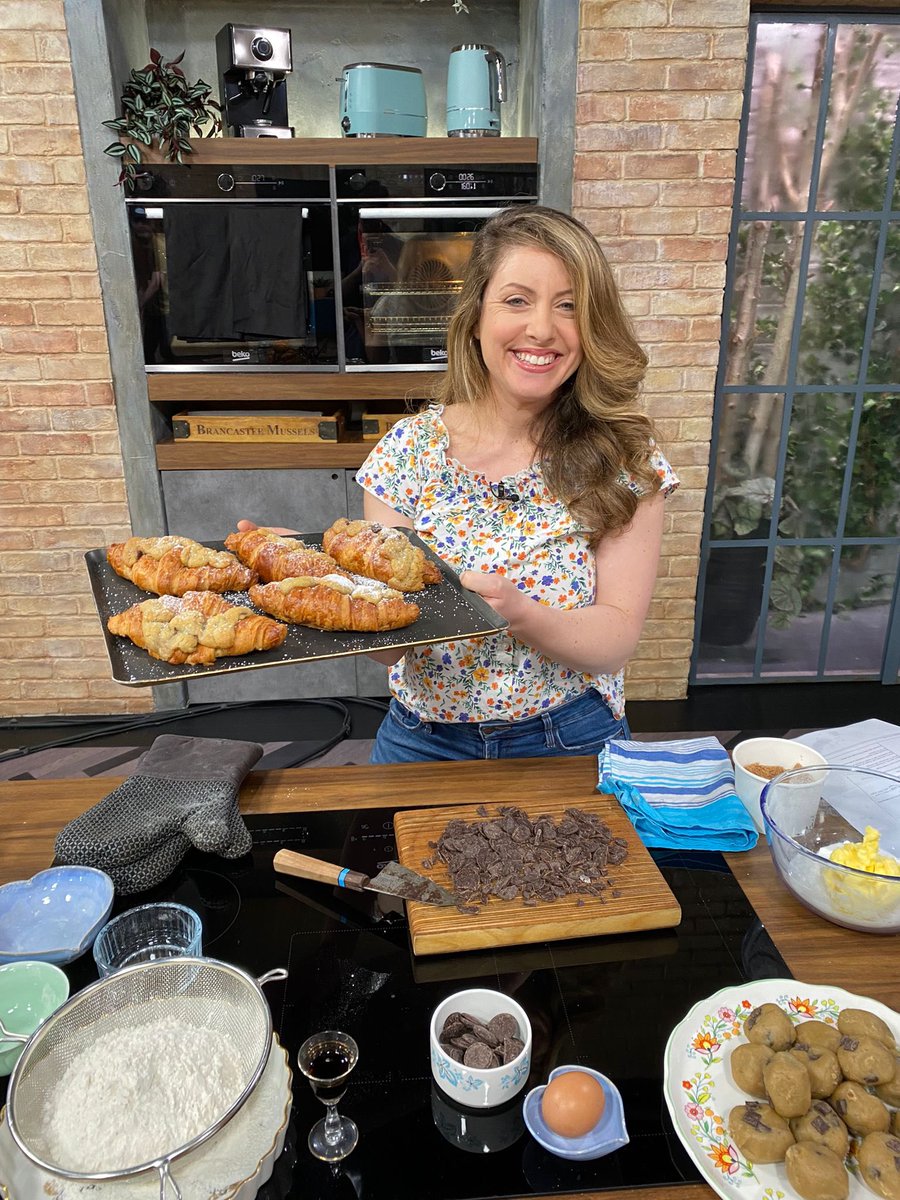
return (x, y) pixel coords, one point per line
(326, 1059)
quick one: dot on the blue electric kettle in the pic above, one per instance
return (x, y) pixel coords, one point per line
(476, 87)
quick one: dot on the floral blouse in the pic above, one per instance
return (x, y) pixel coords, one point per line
(536, 542)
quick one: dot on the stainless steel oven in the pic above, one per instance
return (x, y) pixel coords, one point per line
(234, 268)
(405, 235)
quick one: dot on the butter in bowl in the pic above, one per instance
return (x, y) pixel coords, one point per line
(839, 852)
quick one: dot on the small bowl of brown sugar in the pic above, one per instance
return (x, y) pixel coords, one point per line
(480, 1047)
(757, 761)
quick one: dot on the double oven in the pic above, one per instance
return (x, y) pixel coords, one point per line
(307, 268)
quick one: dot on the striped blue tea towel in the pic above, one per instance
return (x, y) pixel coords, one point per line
(679, 794)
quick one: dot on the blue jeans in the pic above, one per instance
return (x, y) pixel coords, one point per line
(580, 726)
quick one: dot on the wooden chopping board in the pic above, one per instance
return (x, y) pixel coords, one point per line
(644, 901)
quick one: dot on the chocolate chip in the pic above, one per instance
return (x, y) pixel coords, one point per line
(479, 1056)
(504, 1025)
(498, 1036)
(512, 1048)
(452, 1051)
(486, 1035)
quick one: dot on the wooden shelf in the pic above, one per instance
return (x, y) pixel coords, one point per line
(259, 390)
(358, 151)
(254, 456)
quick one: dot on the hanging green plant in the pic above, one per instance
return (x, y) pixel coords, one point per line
(160, 109)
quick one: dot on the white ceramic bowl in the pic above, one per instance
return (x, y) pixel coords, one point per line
(771, 752)
(469, 1086)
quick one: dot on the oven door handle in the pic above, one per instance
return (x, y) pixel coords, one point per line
(442, 213)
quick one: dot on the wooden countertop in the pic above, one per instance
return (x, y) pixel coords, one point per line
(816, 951)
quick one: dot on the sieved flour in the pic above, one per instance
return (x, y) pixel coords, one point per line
(139, 1093)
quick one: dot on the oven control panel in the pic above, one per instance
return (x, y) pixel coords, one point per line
(476, 182)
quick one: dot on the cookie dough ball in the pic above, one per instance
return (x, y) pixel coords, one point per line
(856, 1022)
(747, 1063)
(822, 1067)
(817, 1033)
(769, 1025)
(787, 1085)
(889, 1092)
(860, 1111)
(823, 1126)
(879, 1164)
(815, 1173)
(866, 1060)
(759, 1133)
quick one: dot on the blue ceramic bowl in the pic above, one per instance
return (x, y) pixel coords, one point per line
(54, 916)
(607, 1135)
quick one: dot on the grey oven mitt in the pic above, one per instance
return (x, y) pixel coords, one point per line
(184, 792)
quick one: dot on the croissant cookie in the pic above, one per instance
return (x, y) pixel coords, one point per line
(373, 550)
(196, 628)
(171, 566)
(335, 602)
(276, 557)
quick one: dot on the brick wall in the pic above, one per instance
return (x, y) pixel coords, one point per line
(660, 88)
(61, 486)
(659, 99)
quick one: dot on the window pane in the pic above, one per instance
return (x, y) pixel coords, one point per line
(874, 509)
(763, 301)
(860, 122)
(884, 348)
(746, 458)
(815, 464)
(862, 609)
(841, 266)
(795, 619)
(783, 111)
(732, 598)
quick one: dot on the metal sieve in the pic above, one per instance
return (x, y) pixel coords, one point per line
(200, 992)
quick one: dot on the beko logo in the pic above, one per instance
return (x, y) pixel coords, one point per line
(240, 356)
(437, 353)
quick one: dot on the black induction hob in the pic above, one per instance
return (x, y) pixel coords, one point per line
(608, 1002)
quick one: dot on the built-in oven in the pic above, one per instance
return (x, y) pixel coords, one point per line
(405, 235)
(234, 267)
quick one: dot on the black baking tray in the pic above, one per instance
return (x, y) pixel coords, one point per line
(448, 611)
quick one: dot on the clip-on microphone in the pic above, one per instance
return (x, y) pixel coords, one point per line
(501, 491)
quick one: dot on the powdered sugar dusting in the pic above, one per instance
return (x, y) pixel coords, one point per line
(447, 611)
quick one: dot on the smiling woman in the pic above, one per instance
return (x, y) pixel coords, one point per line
(536, 476)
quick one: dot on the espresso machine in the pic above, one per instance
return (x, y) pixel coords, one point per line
(253, 65)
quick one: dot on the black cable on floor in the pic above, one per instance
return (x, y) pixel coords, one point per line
(152, 720)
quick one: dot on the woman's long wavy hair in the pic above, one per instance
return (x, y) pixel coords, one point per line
(595, 429)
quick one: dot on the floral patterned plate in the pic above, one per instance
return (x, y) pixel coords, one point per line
(700, 1092)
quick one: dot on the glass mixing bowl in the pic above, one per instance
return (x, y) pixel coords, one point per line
(810, 811)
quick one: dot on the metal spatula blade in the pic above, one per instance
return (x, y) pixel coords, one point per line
(392, 880)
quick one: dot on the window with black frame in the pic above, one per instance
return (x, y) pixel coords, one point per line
(799, 569)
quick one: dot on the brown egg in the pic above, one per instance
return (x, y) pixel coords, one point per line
(572, 1104)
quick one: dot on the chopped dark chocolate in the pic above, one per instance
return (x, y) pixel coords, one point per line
(510, 855)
